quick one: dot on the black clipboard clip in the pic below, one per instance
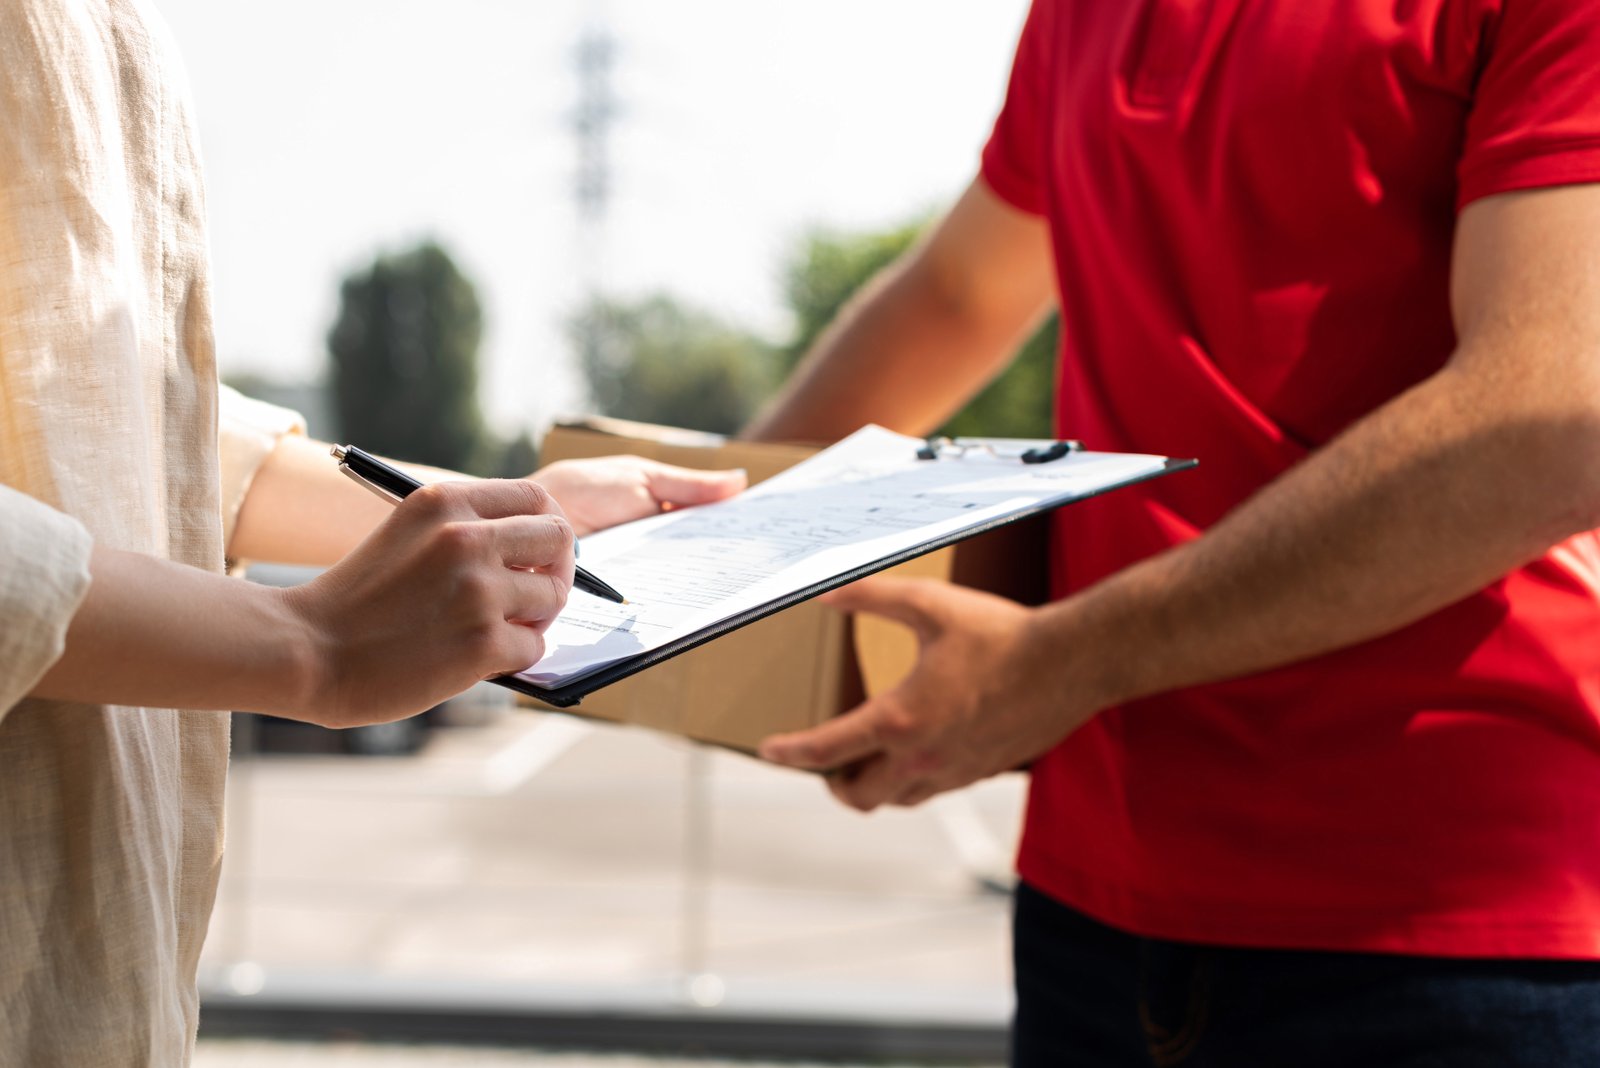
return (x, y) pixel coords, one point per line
(942, 448)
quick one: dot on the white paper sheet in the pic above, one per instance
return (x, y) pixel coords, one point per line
(860, 501)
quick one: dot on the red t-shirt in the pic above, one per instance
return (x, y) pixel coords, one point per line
(1252, 205)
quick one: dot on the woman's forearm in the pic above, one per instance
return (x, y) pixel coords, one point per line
(302, 510)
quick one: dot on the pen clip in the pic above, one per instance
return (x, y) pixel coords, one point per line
(350, 473)
(941, 448)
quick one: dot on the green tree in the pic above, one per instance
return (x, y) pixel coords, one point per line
(405, 360)
(660, 361)
(830, 267)
(518, 458)
(826, 270)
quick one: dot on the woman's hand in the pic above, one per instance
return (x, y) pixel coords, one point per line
(602, 492)
(457, 585)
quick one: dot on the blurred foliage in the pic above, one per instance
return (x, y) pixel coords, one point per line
(830, 267)
(519, 458)
(826, 270)
(405, 361)
(661, 361)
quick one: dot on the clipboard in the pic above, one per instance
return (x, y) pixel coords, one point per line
(995, 454)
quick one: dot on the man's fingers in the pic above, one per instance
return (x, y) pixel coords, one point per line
(902, 600)
(915, 793)
(850, 737)
(684, 486)
(876, 782)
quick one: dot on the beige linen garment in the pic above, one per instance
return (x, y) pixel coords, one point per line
(110, 818)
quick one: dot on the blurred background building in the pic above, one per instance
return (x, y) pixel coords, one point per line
(490, 214)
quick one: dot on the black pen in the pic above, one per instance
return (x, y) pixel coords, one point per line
(394, 486)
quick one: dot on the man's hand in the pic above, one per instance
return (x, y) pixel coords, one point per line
(603, 492)
(974, 706)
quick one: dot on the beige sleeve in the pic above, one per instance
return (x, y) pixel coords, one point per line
(44, 574)
(247, 431)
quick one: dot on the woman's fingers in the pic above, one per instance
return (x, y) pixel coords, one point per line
(680, 486)
(534, 598)
(543, 542)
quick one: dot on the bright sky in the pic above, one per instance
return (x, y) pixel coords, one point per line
(333, 130)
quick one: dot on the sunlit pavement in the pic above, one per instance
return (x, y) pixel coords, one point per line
(543, 860)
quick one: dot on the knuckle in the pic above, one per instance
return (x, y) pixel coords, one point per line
(493, 650)
(461, 541)
(562, 533)
(475, 593)
(468, 542)
(895, 724)
(433, 499)
(532, 652)
(537, 499)
(521, 648)
(859, 801)
(913, 796)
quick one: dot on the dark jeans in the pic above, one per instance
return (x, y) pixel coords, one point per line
(1089, 996)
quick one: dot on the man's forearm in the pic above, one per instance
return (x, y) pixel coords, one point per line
(927, 333)
(1429, 499)
(896, 356)
(1475, 471)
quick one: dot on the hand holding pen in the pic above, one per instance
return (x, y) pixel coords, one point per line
(459, 584)
(395, 485)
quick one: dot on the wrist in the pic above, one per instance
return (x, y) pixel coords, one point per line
(1076, 660)
(300, 660)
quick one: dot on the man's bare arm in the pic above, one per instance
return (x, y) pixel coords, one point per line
(1473, 472)
(925, 334)
(1480, 468)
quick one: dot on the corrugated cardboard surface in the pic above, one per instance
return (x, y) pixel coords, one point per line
(805, 664)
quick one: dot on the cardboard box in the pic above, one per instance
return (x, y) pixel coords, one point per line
(803, 665)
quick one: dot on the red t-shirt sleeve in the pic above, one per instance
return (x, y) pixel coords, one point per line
(1014, 160)
(1535, 117)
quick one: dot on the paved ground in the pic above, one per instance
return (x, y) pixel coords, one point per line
(301, 1055)
(542, 860)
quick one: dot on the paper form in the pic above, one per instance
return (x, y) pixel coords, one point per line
(863, 500)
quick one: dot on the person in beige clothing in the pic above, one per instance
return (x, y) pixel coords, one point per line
(124, 485)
